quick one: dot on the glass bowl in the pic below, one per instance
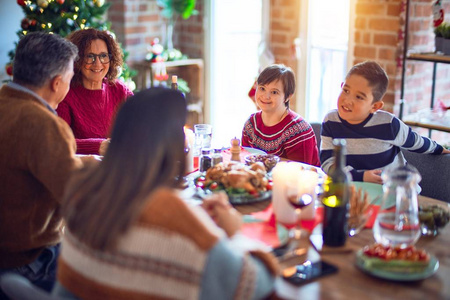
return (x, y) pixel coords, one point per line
(357, 222)
(432, 218)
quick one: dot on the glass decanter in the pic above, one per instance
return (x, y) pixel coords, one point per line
(397, 222)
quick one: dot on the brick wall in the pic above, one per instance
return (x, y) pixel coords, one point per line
(377, 26)
(284, 28)
(189, 34)
(137, 22)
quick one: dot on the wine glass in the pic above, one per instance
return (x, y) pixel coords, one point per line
(298, 201)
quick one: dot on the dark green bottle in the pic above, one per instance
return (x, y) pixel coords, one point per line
(336, 197)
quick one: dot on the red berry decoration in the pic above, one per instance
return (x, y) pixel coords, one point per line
(9, 69)
(60, 2)
(21, 2)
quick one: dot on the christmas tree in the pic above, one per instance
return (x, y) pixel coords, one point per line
(62, 17)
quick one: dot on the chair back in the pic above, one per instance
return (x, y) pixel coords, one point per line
(435, 172)
(17, 287)
(316, 128)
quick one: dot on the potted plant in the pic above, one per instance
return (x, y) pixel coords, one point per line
(171, 10)
(446, 41)
(439, 36)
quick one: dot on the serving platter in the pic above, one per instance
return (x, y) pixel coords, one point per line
(234, 199)
(433, 266)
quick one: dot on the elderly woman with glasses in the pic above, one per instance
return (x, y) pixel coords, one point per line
(95, 93)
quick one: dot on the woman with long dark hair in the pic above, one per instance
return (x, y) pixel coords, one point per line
(129, 235)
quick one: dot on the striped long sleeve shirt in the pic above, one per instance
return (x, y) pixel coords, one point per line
(373, 144)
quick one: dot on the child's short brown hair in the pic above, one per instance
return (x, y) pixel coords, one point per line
(282, 73)
(375, 75)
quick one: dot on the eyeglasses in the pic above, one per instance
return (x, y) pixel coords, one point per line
(103, 57)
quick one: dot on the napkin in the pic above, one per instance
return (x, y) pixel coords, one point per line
(264, 231)
(373, 216)
(264, 227)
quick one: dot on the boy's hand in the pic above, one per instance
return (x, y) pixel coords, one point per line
(373, 176)
(446, 151)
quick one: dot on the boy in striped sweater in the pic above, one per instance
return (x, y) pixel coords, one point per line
(374, 137)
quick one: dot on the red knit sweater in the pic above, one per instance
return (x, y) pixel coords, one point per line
(90, 113)
(292, 138)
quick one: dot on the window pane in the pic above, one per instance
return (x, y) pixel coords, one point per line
(328, 34)
(236, 34)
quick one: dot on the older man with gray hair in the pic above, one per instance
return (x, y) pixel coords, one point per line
(37, 156)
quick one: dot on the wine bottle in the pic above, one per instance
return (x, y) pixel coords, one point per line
(336, 198)
(174, 82)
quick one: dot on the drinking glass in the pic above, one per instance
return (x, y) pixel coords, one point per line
(397, 222)
(203, 135)
(298, 201)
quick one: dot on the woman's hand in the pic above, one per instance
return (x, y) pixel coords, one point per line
(372, 176)
(104, 146)
(223, 214)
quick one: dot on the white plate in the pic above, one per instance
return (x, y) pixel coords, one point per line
(254, 150)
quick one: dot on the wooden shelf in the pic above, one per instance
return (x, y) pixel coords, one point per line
(430, 57)
(428, 125)
(442, 124)
(190, 70)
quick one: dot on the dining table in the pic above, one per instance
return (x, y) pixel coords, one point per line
(352, 283)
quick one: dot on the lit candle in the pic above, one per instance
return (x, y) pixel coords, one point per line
(284, 176)
(289, 179)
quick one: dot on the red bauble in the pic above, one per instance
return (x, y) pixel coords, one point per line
(21, 2)
(25, 24)
(60, 2)
(33, 22)
(9, 69)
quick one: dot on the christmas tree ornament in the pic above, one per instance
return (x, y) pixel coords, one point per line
(42, 3)
(25, 23)
(9, 69)
(438, 13)
(155, 51)
(60, 2)
(21, 2)
(99, 3)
